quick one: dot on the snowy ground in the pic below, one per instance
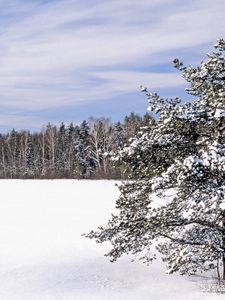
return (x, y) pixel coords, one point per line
(44, 257)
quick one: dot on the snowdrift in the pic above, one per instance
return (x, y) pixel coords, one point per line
(44, 256)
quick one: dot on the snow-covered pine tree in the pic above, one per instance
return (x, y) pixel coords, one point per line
(30, 157)
(61, 151)
(84, 159)
(72, 133)
(174, 200)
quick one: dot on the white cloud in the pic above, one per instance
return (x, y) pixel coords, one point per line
(67, 52)
(121, 82)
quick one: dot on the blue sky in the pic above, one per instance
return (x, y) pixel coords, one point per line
(67, 60)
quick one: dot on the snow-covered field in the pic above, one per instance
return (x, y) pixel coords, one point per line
(43, 255)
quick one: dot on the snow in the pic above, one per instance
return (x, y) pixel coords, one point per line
(44, 255)
(219, 112)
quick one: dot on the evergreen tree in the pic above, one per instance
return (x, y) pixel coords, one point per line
(119, 136)
(61, 146)
(30, 157)
(175, 198)
(84, 158)
(70, 154)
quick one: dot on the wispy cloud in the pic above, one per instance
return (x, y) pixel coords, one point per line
(65, 53)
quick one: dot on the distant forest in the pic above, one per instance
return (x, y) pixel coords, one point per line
(73, 151)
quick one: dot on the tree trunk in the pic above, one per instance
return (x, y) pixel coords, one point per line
(223, 255)
(3, 161)
(223, 270)
(223, 247)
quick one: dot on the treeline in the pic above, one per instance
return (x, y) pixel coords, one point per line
(74, 151)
